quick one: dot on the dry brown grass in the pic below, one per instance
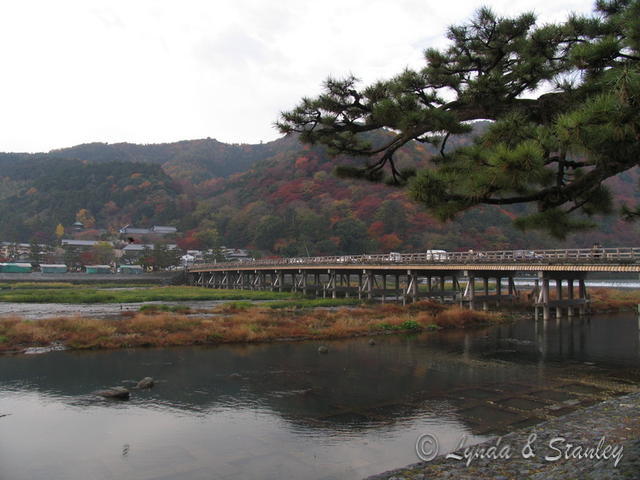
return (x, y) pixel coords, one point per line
(239, 324)
(609, 299)
(457, 317)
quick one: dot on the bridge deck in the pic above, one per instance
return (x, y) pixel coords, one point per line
(435, 267)
(594, 259)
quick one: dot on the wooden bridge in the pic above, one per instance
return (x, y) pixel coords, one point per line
(476, 279)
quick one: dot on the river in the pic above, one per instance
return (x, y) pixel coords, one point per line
(282, 410)
(37, 311)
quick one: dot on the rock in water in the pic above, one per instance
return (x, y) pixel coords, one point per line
(146, 382)
(372, 342)
(323, 349)
(119, 393)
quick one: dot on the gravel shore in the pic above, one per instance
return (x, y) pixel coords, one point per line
(617, 421)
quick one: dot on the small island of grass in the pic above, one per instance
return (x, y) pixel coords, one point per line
(68, 293)
(234, 322)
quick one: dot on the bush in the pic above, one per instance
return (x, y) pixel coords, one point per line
(410, 325)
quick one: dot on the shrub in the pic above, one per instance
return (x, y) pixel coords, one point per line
(410, 325)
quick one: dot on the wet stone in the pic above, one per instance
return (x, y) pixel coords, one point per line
(522, 403)
(146, 382)
(561, 411)
(118, 393)
(583, 388)
(490, 414)
(552, 395)
(527, 422)
(478, 393)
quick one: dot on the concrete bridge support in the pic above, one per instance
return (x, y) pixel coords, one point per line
(487, 296)
(561, 303)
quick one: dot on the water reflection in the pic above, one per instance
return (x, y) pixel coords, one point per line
(605, 339)
(282, 410)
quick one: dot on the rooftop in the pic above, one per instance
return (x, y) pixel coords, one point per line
(83, 243)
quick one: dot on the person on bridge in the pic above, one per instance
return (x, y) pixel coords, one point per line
(597, 250)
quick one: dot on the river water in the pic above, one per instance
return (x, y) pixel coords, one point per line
(282, 410)
(36, 311)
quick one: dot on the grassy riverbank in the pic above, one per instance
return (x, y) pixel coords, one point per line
(602, 299)
(234, 322)
(614, 300)
(63, 293)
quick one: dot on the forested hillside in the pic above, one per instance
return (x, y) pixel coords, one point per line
(278, 198)
(38, 193)
(193, 160)
(293, 204)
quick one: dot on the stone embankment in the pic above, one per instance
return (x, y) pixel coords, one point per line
(600, 437)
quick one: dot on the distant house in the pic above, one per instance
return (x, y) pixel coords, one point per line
(156, 232)
(129, 230)
(83, 244)
(15, 268)
(14, 250)
(136, 249)
(96, 269)
(187, 259)
(132, 269)
(232, 254)
(53, 268)
(164, 230)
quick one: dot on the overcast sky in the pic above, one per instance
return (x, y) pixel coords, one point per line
(150, 71)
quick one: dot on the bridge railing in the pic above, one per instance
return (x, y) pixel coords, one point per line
(434, 257)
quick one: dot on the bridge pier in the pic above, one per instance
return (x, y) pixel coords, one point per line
(486, 298)
(570, 297)
(562, 302)
(384, 288)
(330, 286)
(582, 293)
(546, 311)
(559, 297)
(411, 291)
(485, 305)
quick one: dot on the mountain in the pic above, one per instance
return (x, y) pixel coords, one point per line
(279, 198)
(38, 193)
(292, 204)
(192, 160)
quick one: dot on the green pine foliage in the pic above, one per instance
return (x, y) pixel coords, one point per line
(555, 150)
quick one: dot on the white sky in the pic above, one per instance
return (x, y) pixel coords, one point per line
(149, 71)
